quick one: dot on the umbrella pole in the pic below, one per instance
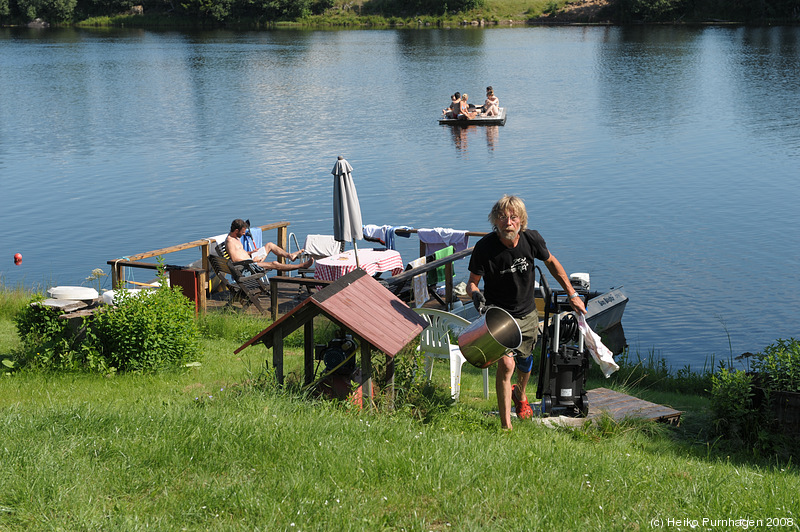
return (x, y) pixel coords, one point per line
(355, 250)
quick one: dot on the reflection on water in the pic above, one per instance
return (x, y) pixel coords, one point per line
(462, 134)
(661, 159)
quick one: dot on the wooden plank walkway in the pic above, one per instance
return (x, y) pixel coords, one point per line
(619, 406)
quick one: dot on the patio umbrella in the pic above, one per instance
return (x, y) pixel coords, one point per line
(346, 210)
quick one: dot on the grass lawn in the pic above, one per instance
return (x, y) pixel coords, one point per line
(216, 447)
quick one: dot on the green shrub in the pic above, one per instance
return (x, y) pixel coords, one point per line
(778, 366)
(150, 330)
(745, 416)
(47, 340)
(733, 413)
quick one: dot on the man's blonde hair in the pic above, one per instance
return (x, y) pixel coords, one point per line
(509, 204)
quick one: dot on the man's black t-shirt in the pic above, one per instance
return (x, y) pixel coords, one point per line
(508, 274)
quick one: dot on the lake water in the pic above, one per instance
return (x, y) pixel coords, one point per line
(662, 159)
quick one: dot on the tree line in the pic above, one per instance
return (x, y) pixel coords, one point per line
(217, 12)
(261, 12)
(753, 11)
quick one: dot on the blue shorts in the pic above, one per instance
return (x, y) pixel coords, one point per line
(525, 365)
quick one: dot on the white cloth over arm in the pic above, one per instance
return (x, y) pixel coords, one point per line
(600, 353)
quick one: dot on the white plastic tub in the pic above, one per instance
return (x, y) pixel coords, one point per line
(72, 292)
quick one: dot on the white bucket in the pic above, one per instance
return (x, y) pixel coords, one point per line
(109, 297)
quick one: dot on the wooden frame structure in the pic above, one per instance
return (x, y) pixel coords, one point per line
(357, 303)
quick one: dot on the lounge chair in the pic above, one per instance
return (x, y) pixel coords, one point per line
(246, 284)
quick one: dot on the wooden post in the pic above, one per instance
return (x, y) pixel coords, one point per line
(366, 373)
(390, 381)
(117, 275)
(202, 285)
(277, 355)
(204, 250)
(283, 243)
(308, 363)
(448, 286)
(273, 300)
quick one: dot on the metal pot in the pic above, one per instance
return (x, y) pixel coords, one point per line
(488, 338)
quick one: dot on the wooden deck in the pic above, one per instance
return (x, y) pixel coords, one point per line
(619, 406)
(288, 297)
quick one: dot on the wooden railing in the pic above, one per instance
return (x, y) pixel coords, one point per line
(396, 282)
(133, 261)
(422, 245)
(118, 266)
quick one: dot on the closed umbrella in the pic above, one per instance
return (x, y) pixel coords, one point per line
(346, 210)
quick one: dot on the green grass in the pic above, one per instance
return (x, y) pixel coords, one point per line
(216, 447)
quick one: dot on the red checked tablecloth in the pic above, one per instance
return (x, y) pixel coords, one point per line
(371, 261)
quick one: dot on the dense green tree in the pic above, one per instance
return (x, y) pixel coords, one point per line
(49, 10)
(652, 10)
(216, 10)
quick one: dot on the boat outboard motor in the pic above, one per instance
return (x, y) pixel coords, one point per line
(564, 361)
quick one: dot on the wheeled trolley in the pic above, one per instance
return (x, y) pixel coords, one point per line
(564, 361)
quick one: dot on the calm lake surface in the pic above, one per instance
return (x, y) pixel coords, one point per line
(664, 160)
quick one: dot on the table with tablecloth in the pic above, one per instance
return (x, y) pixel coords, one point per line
(370, 260)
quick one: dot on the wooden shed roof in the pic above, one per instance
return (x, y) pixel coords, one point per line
(360, 304)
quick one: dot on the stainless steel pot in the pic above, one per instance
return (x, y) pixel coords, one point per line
(488, 338)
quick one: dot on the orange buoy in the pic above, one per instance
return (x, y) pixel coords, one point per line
(17, 258)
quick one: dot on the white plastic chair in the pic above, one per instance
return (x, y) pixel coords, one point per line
(434, 342)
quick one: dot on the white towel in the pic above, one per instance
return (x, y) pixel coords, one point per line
(441, 237)
(321, 246)
(376, 232)
(600, 353)
(420, 283)
(219, 239)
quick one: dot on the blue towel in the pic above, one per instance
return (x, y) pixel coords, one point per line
(390, 235)
(252, 240)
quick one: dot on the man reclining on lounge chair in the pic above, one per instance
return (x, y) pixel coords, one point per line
(237, 252)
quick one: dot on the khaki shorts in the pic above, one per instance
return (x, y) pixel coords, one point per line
(529, 325)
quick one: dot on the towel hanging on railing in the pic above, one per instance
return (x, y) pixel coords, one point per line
(441, 237)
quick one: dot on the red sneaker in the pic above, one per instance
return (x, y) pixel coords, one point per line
(524, 410)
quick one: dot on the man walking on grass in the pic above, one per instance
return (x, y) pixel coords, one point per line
(504, 260)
